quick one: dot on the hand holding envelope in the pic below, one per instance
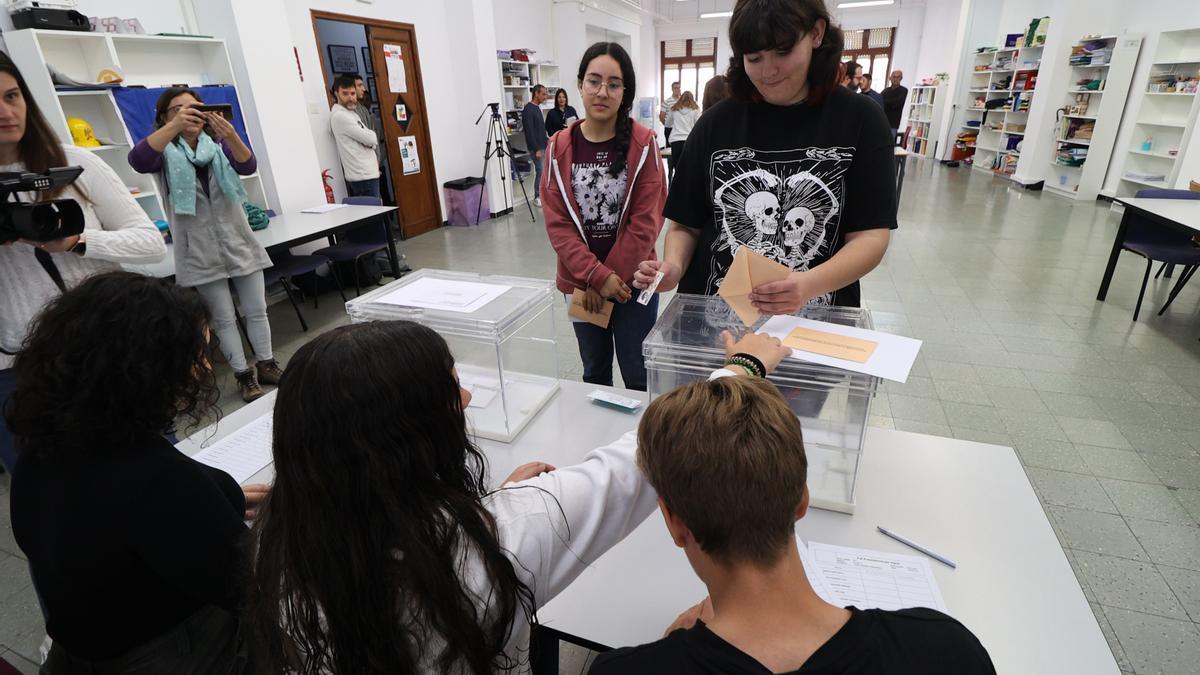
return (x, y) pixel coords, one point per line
(577, 309)
(749, 269)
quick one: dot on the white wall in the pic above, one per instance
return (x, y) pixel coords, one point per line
(525, 24)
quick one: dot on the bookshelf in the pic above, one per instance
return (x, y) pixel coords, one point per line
(1000, 92)
(927, 108)
(1093, 102)
(516, 79)
(1166, 118)
(143, 60)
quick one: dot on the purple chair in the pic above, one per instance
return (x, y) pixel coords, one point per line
(286, 266)
(1157, 242)
(361, 241)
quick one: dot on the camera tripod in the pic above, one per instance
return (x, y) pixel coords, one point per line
(497, 146)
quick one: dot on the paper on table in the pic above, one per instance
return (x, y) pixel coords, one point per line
(243, 453)
(816, 577)
(463, 297)
(875, 579)
(749, 269)
(576, 310)
(831, 344)
(892, 359)
(323, 208)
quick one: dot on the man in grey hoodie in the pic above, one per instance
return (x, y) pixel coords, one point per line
(355, 142)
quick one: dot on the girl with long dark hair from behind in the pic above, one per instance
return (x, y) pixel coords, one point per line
(136, 550)
(382, 549)
(604, 192)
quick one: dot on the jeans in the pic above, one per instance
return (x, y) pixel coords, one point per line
(537, 172)
(253, 299)
(8, 451)
(627, 329)
(363, 188)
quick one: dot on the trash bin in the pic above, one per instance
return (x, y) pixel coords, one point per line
(462, 201)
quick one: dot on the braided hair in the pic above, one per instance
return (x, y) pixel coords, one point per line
(624, 135)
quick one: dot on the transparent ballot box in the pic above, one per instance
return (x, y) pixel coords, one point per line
(832, 403)
(500, 331)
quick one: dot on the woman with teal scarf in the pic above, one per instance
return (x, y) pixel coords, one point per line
(201, 159)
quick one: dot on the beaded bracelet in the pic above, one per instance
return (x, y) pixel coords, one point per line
(750, 363)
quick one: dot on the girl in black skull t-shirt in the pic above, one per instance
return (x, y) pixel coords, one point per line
(791, 166)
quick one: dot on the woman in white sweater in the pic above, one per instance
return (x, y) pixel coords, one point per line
(383, 548)
(684, 114)
(116, 229)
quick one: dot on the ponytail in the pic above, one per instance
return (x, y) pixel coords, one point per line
(624, 138)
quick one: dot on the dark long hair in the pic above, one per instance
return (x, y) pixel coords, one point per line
(762, 25)
(376, 497)
(108, 363)
(624, 121)
(40, 148)
(715, 91)
(164, 102)
(566, 99)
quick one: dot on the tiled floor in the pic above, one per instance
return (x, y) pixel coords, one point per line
(1000, 284)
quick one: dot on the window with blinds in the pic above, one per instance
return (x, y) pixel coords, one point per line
(690, 62)
(871, 47)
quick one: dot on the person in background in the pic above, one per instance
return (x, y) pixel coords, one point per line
(664, 115)
(853, 77)
(684, 116)
(534, 126)
(362, 108)
(136, 550)
(201, 158)
(894, 97)
(562, 114)
(868, 92)
(715, 91)
(356, 142)
(409, 558)
(762, 614)
(116, 230)
(604, 194)
(774, 168)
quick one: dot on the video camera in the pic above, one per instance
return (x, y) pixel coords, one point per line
(42, 221)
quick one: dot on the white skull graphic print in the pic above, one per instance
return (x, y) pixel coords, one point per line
(786, 205)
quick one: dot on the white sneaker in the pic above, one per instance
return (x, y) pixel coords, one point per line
(538, 201)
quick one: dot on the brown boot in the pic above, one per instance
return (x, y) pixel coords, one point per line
(248, 385)
(269, 372)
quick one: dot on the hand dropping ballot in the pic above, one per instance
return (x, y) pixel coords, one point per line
(749, 269)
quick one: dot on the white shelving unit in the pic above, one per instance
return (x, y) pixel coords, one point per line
(1008, 74)
(143, 60)
(1093, 103)
(516, 79)
(1167, 118)
(927, 108)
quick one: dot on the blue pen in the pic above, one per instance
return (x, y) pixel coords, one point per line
(908, 542)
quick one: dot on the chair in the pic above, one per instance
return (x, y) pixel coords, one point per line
(904, 136)
(287, 266)
(1156, 242)
(364, 240)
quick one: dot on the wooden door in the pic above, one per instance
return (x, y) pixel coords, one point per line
(405, 130)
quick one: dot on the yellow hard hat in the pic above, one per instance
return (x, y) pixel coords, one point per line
(81, 133)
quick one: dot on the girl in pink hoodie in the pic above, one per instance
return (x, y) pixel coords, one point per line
(603, 196)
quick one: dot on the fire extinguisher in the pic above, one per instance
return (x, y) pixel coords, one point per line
(328, 180)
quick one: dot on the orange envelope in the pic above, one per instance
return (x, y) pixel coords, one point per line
(576, 310)
(749, 269)
(831, 344)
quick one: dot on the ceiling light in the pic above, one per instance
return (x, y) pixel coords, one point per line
(867, 3)
(715, 15)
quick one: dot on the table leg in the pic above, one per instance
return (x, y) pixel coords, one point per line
(393, 257)
(901, 163)
(543, 651)
(1112, 257)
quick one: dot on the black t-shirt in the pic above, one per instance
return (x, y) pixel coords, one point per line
(919, 641)
(787, 181)
(600, 195)
(893, 104)
(125, 544)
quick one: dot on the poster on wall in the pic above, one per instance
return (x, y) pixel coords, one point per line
(408, 155)
(401, 113)
(397, 81)
(343, 59)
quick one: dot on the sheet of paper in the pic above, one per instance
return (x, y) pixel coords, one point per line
(397, 81)
(243, 453)
(875, 579)
(831, 344)
(483, 389)
(749, 269)
(323, 208)
(576, 310)
(816, 578)
(409, 158)
(447, 295)
(892, 359)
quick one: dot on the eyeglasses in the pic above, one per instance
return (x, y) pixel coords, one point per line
(592, 86)
(174, 109)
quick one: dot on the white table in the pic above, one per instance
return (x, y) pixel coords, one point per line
(294, 229)
(1013, 587)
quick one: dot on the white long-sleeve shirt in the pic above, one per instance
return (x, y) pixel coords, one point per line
(682, 121)
(355, 143)
(116, 230)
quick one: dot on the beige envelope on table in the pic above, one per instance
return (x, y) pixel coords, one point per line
(576, 310)
(749, 269)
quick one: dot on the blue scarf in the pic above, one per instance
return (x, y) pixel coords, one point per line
(182, 161)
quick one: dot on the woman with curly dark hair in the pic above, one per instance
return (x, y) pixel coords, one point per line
(136, 550)
(791, 166)
(383, 547)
